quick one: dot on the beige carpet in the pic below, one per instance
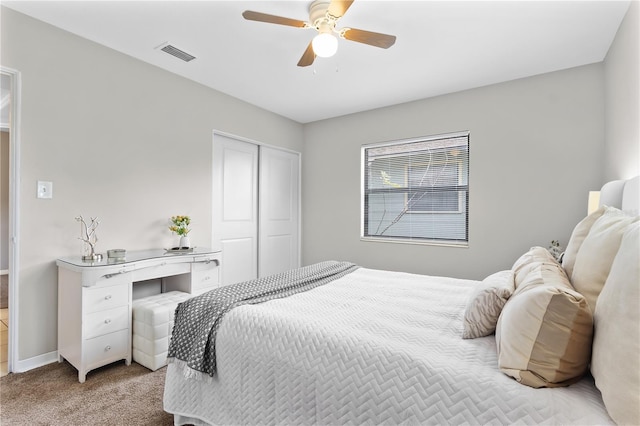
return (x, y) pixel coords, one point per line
(112, 395)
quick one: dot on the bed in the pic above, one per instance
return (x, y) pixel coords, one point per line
(381, 347)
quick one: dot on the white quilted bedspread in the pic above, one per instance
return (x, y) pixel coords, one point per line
(373, 347)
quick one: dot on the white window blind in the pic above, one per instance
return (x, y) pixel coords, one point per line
(417, 190)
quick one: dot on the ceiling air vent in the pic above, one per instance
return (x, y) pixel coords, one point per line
(174, 51)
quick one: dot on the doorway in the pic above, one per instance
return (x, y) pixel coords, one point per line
(9, 217)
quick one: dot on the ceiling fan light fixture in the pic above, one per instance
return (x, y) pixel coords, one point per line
(323, 17)
(325, 45)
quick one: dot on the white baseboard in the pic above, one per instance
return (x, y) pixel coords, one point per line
(37, 361)
(4, 272)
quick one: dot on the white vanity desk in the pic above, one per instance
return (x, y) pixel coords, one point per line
(95, 298)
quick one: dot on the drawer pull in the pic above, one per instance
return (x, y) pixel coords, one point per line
(107, 297)
(207, 278)
(107, 321)
(208, 261)
(107, 348)
(122, 271)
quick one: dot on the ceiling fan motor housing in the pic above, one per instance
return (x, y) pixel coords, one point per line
(318, 15)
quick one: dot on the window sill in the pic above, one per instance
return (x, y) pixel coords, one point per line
(461, 244)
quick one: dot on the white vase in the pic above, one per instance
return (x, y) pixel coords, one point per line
(185, 242)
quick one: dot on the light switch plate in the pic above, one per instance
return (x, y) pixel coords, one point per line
(45, 189)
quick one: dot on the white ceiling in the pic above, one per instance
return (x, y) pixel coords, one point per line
(441, 47)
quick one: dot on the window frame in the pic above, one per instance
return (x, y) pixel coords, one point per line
(463, 201)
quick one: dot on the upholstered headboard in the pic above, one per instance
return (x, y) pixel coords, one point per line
(623, 194)
(610, 250)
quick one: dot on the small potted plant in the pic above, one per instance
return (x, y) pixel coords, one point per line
(180, 226)
(556, 250)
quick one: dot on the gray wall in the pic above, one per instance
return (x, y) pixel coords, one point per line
(622, 100)
(536, 147)
(121, 140)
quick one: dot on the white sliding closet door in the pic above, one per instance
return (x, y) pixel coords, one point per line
(235, 207)
(278, 219)
(255, 209)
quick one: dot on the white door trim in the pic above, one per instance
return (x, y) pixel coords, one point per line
(14, 213)
(243, 139)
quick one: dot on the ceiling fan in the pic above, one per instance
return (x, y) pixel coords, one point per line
(323, 17)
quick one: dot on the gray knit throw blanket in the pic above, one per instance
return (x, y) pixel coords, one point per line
(197, 320)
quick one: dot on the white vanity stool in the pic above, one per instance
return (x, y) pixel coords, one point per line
(152, 327)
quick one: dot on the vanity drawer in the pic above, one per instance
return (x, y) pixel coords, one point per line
(102, 298)
(165, 269)
(107, 348)
(204, 276)
(113, 277)
(104, 322)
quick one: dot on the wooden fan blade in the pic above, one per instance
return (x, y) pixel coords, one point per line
(272, 19)
(337, 8)
(307, 57)
(384, 41)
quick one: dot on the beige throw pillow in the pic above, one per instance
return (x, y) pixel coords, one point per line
(485, 304)
(529, 260)
(577, 238)
(616, 344)
(597, 252)
(545, 329)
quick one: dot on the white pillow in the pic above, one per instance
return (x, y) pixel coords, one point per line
(597, 252)
(615, 363)
(577, 238)
(485, 304)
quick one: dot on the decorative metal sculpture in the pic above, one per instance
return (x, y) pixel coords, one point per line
(89, 238)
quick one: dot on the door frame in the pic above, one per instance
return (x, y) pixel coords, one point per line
(14, 212)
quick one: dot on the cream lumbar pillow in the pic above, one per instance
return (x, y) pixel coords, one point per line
(577, 238)
(485, 304)
(597, 252)
(544, 332)
(615, 364)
